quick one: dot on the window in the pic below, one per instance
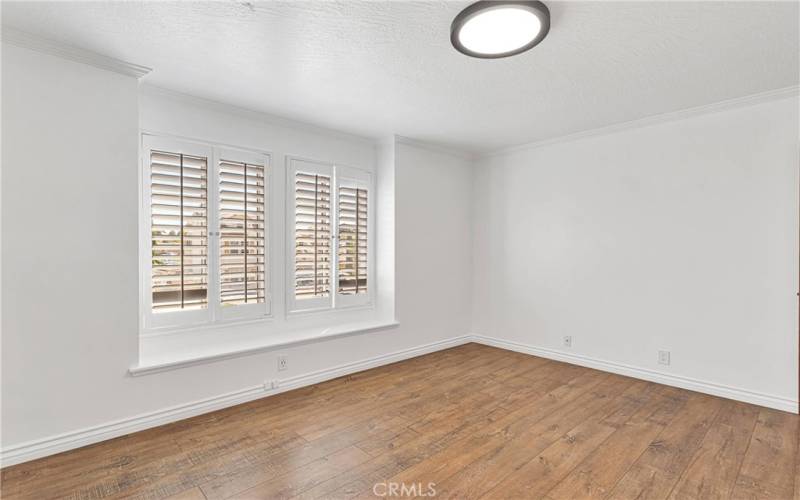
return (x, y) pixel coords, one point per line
(206, 257)
(206, 233)
(242, 216)
(312, 235)
(179, 223)
(353, 238)
(325, 197)
(241, 239)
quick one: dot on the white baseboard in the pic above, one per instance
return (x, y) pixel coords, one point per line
(767, 400)
(70, 440)
(64, 442)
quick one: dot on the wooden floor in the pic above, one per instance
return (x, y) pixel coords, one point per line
(475, 421)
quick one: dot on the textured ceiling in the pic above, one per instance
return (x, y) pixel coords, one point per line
(376, 68)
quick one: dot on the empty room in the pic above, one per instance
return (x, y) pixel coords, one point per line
(330, 249)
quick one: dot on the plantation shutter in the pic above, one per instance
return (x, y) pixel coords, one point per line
(352, 237)
(179, 237)
(242, 222)
(312, 234)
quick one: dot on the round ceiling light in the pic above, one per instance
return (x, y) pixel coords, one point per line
(492, 29)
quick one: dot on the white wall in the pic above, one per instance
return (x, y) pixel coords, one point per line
(434, 240)
(681, 236)
(69, 155)
(70, 332)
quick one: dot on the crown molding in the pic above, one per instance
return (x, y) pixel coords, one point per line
(670, 116)
(38, 43)
(435, 148)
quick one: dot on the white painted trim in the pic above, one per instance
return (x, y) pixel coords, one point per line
(354, 177)
(670, 116)
(270, 343)
(149, 319)
(258, 116)
(334, 301)
(47, 46)
(724, 391)
(152, 324)
(293, 164)
(70, 440)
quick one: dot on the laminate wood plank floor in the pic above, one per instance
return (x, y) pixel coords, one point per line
(467, 422)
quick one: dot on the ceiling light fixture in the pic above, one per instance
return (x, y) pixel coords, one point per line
(491, 29)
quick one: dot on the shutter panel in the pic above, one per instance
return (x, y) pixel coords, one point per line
(312, 235)
(179, 224)
(242, 221)
(352, 251)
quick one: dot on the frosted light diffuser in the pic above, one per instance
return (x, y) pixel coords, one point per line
(492, 29)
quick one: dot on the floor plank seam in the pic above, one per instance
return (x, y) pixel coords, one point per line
(479, 421)
(694, 457)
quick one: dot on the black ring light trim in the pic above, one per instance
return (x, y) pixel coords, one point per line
(539, 9)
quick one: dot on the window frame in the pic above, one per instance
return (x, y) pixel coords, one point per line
(360, 179)
(335, 301)
(243, 311)
(319, 168)
(214, 312)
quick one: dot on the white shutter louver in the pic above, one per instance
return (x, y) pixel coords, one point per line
(312, 235)
(242, 222)
(352, 251)
(179, 224)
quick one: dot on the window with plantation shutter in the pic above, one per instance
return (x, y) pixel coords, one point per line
(242, 223)
(205, 253)
(312, 234)
(179, 231)
(353, 235)
(207, 236)
(330, 235)
(352, 229)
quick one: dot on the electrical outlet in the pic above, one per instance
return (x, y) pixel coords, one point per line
(283, 363)
(567, 340)
(663, 357)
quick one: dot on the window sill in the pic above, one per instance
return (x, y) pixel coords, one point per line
(212, 352)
